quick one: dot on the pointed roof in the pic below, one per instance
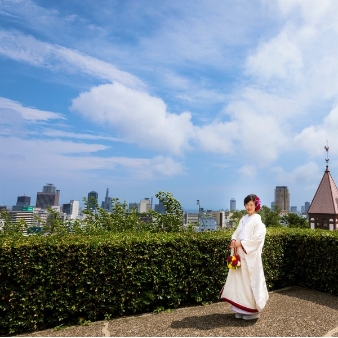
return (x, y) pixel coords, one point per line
(325, 200)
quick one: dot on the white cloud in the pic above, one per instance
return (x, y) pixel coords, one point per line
(301, 175)
(216, 137)
(279, 58)
(80, 136)
(50, 158)
(138, 116)
(312, 139)
(23, 48)
(249, 171)
(9, 107)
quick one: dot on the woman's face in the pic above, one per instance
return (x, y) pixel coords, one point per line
(250, 208)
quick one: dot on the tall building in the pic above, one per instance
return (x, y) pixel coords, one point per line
(145, 205)
(307, 206)
(22, 202)
(160, 208)
(106, 204)
(282, 198)
(71, 209)
(294, 209)
(232, 204)
(93, 197)
(48, 197)
(26, 216)
(133, 206)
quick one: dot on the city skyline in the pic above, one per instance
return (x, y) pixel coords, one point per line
(232, 203)
(208, 100)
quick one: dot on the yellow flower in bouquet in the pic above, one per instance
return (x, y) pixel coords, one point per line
(234, 262)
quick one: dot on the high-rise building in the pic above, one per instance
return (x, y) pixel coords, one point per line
(145, 205)
(133, 206)
(22, 202)
(160, 208)
(232, 204)
(282, 198)
(48, 197)
(106, 204)
(294, 209)
(26, 216)
(67, 208)
(75, 208)
(49, 188)
(307, 206)
(93, 197)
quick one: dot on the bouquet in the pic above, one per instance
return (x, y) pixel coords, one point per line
(234, 261)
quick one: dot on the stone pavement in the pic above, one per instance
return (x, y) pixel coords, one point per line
(290, 312)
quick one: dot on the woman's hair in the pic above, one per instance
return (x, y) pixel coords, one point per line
(249, 198)
(254, 198)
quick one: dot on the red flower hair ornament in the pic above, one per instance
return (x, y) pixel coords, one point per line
(257, 203)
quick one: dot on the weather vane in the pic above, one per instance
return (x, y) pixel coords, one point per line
(327, 155)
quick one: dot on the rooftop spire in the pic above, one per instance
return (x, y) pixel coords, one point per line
(327, 156)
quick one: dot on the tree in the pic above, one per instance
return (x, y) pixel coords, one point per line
(295, 221)
(270, 217)
(172, 220)
(235, 217)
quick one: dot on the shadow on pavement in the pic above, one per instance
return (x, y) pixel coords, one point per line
(212, 321)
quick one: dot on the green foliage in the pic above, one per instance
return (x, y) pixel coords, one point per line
(53, 281)
(99, 221)
(10, 228)
(236, 217)
(48, 281)
(295, 221)
(270, 217)
(172, 220)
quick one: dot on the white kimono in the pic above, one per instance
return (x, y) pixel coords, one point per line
(245, 287)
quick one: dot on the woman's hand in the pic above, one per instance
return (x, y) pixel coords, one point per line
(235, 244)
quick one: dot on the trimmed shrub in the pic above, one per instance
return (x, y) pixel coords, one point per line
(47, 281)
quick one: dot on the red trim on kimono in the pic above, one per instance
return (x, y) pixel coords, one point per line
(239, 306)
(243, 248)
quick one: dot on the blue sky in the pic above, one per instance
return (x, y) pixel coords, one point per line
(208, 100)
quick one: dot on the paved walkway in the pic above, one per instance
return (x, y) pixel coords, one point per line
(289, 312)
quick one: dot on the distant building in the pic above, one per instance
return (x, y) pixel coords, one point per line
(92, 200)
(106, 204)
(232, 204)
(282, 198)
(294, 209)
(160, 208)
(145, 205)
(48, 197)
(71, 209)
(66, 208)
(307, 206)
(191, 218)
(207, 224)
(22, 201)
(26, 216)
(323, 210)
(273, 205)
(133, 206)
(220, 217)
(302, 209)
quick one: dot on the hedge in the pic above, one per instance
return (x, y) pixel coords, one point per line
(48, 281)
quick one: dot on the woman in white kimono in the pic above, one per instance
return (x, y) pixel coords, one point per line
(245, 288)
